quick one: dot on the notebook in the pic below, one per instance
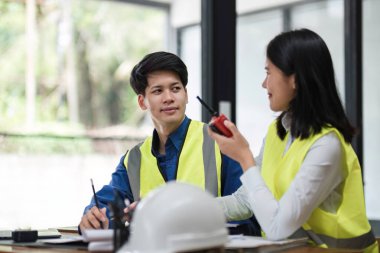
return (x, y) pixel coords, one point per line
(42, 234)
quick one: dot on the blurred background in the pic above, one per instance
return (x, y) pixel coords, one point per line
(67, 112)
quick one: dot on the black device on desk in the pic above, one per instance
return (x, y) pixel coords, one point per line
(29, 235)
(25, 235)
(121, 232)
(217, 120)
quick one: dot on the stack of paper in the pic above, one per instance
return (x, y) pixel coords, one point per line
(98, 239)
(261, 244)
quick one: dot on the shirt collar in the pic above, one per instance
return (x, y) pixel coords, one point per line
(286, 121)
(176, 138)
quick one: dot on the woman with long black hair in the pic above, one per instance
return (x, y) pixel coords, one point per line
(306, 180)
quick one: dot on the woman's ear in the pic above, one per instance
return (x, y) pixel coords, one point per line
(293, 81)
(141, 102)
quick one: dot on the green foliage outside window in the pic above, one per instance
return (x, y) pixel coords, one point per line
(108, 39)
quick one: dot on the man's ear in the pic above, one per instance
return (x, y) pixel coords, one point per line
(187, 96)
(141, 102)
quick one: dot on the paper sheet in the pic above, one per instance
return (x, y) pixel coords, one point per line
(91, 235)
(101, 246)
(242, 241)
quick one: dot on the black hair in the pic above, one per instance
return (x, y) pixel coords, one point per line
(154, 62)
(316, 103)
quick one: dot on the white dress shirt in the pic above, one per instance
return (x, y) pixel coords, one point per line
(317, 183)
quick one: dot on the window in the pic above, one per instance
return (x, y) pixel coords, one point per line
(190, 53)
(326, 19)
(253, 114)
(82, 115)
(254, 32)
(371, 105)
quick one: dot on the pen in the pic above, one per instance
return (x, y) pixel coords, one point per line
(96, 199)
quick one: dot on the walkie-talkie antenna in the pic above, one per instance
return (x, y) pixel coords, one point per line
(212, 111)
(217, 121)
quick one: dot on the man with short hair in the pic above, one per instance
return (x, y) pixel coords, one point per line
(179, 149)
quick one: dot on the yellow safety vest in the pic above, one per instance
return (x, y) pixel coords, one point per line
(199, 163)
(349, 226)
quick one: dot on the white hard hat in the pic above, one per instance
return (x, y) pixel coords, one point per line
(177, 217)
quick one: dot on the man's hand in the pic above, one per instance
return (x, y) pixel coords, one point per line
(94, 219)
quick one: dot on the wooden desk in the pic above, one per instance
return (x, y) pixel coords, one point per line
(37, 250)
(302, 249)
(18, 249)
(308, 249)
(33, 249)
(297, 249)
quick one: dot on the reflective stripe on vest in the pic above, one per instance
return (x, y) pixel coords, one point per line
(199, 163)
(364, 241)
(359, 242)
(349, 226)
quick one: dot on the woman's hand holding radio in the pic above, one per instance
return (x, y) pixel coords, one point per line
(236, 146)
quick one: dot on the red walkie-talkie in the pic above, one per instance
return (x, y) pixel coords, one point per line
(216, 124)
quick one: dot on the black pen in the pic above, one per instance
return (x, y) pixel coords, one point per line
(96, 200)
